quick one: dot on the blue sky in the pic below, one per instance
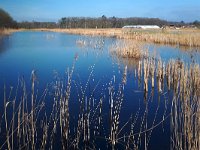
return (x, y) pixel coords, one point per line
(52, 10)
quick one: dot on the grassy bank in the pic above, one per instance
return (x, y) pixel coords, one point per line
(180, 37)
(109, 32)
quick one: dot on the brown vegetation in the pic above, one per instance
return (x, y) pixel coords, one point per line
(20, 124)
(8, 31)
(184, 81)
(128, 49)
(21, 131)
(181, 37)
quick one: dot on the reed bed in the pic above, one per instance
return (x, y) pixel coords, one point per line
(111, 32)
(128, 49)
(93, 42)
(170, 37)
(178, 76)
(183, 80)
(28, 125)
(179, 37)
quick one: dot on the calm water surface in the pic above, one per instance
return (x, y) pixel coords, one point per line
(49, 53)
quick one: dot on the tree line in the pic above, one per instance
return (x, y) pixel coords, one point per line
(100, 22)
(104, 22)
(6, 21)
(88, 22)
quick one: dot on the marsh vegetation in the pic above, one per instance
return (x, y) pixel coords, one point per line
(124, 99)
(174, 37)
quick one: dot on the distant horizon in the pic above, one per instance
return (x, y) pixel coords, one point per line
(57, 21)
(52, 11)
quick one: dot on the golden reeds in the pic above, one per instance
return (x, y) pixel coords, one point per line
(174, 37)
(22, 132)
(181, 37)
(184, 81)
(127, 49)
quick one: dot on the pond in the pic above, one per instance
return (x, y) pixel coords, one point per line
(102, 106)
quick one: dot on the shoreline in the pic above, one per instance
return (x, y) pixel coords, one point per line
(108, 32)
(174, 37)
(9, 31)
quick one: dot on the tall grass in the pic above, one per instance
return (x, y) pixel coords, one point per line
(183, 81)
(171, 37)
(182, 37)
(27, 124)
(128, 49)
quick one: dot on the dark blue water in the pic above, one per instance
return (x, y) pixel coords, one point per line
(48, 52)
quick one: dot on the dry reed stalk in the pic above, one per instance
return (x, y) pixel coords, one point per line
(140, 72)
(91, 42)
(152, 72)
(115, 102)
(6, 120)
(184, 116)
(185, 109)
(168, 74)
(182, 37)
(146, 75)
(124, 78)
(159, 75)
(16, 130)
(127, 49)
(178, 37)
(33, 79)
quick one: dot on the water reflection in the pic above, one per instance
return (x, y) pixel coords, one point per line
(4, 44)
(100, 101)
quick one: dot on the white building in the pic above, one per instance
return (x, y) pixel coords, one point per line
(141, 27)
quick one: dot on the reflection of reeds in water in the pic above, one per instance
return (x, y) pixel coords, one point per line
(184, 81)
(91, 42)
(185, 111)
(36, 129)
(27, 125)
(176, 74)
